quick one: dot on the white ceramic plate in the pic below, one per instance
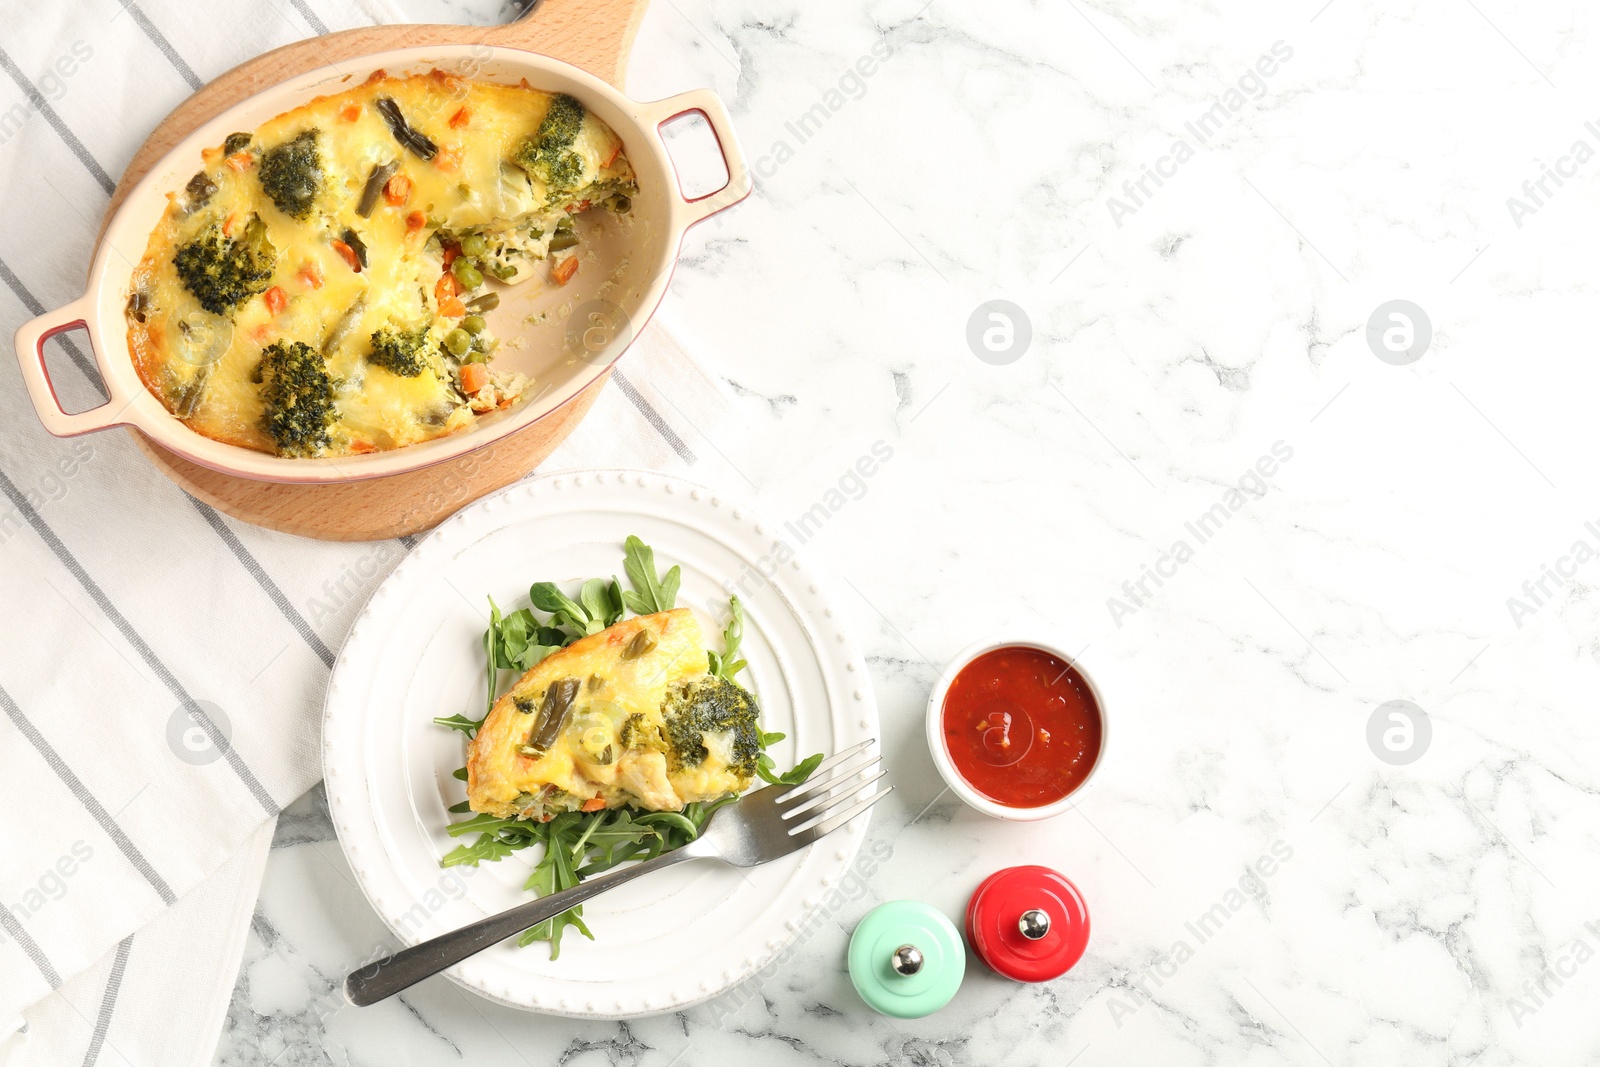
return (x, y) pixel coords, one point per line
(661, 943)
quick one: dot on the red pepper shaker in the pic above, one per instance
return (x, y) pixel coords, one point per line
(1028, 923)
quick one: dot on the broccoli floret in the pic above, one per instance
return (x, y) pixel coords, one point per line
(298, 393)
(559, 127)
(708, 706)
(403, 352)
(561, 171)
(640, 733)
(547, 156)
(223, 272)
(291, 174)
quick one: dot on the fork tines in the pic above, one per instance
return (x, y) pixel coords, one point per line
(831, 796)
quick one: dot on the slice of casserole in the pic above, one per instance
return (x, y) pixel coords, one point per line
(627, 717)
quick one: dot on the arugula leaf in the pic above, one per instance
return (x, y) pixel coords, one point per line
(766, 767)
(565, 611)
(497, 839)
(650, 592)
(579, 845)
(597, 607)
(595, 601)
(460, 722)
(726, 665)
(618, 606)
(515, 642)
(489, 638)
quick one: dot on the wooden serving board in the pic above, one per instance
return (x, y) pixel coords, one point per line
(596, 35)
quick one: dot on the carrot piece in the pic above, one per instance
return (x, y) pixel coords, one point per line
(227, 224)
(460, 118)
(451, 254)
(350, 112)
(563, 271)
(276, 300)
(397, 190)
(449, 158)
(444, 291)
(310, 276)
(348, 254)
(415, 222)
(593, 803)
(475, 376)
(241, 161)
(362, 447)
(616, 150)
(376, 76)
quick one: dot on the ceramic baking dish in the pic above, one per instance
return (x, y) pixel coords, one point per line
(564, 338)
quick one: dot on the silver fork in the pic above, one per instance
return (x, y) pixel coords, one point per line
(761, 827)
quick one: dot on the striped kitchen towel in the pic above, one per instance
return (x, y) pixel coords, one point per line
(131, 842)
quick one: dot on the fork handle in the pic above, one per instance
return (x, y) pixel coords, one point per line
(405, 968)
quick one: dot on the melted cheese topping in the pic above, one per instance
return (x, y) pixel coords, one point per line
(203, 365)
(592, 759)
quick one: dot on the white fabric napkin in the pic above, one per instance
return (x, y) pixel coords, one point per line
(131, 844)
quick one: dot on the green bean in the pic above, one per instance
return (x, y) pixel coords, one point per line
(381, 173)
(563, 240)
(553, 714)
(484, 302)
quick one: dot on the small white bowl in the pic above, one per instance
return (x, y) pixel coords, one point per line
(941, 754)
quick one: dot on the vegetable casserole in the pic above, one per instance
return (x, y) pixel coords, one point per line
(319, 287)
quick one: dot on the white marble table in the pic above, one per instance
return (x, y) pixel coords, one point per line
(1198, 265)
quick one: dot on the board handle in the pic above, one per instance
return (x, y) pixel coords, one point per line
(31, 337)
(596, 35)
(708, 105)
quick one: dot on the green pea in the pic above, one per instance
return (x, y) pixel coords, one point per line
(474, 245)
(468, 275)
(458, 341)
(474, 324)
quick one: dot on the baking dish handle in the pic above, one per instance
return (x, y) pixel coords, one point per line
(31, 337)
(710, 107)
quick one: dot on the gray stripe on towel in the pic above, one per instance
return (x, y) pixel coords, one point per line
(26, 728)
(196, 713)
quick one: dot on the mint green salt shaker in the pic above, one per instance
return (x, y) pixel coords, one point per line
(906, 959)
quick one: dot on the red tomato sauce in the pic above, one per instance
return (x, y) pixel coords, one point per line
(1022, 726)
